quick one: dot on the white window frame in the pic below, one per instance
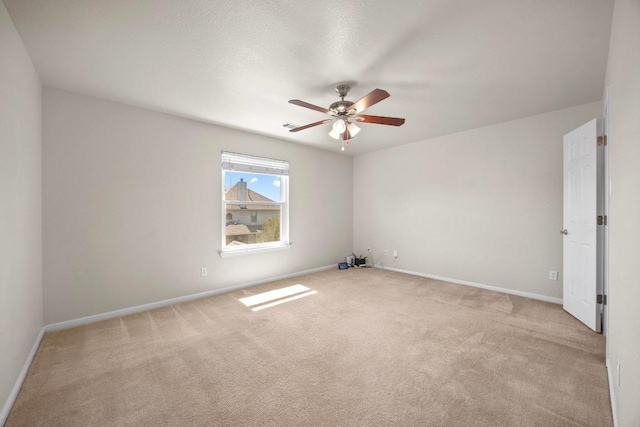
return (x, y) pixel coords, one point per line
(235, 162)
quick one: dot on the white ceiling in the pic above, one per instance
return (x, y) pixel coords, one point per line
(449, 65)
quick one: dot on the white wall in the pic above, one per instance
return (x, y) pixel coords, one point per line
(483, 206)
(131, 202)
(623, 76)
(20, 206)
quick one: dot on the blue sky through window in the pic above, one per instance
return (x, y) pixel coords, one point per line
(267, 185)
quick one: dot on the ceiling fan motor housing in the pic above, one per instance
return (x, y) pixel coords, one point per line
(340, 107)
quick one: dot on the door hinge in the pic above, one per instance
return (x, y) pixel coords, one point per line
(602, 140)
(602, 299)
(602, 220)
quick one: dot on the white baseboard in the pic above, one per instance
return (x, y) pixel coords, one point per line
(144, 307)
(23, 373)
(476, 285)
(612, 395)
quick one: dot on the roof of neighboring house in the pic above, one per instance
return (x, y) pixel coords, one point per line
(252, 196)
(237, 230)
(254, 228)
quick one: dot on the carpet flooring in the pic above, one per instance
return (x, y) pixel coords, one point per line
(360, 347)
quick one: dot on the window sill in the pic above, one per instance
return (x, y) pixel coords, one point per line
(236, 252)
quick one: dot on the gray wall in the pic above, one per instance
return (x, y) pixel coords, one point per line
(482, 206)
(623, 76)
(132, 206)
(20, 206)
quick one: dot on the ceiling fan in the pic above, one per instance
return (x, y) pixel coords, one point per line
(345, 113)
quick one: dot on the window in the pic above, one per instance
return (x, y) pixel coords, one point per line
(254, 203)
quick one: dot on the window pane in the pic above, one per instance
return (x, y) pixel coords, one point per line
(240, 186)
(254, 222)
(240, 230)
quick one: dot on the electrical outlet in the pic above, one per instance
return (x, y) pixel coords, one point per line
(386, 252)
(203, 271)
(395, 253)
(553, 275)
(618, 372)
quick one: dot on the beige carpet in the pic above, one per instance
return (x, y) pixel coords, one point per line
(371, 347)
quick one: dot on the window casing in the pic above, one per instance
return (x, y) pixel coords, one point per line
(255, 208)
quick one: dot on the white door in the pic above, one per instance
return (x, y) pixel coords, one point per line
(580, 224)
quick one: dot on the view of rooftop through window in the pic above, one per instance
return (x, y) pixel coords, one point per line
(266, 185)
(253, 205)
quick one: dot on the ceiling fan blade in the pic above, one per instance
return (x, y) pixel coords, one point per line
(381, 120)
(310, 125)
(307, 105)
(369, 99)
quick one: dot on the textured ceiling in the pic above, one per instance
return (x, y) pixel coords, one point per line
(449, 65)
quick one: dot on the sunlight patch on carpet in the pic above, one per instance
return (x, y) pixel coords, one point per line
(282, 301)
(276, 297)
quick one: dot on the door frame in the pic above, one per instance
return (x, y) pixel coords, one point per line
(605, 199)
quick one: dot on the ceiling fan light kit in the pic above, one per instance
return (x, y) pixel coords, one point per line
(345, 112)
(339, 126)
(353, 129)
